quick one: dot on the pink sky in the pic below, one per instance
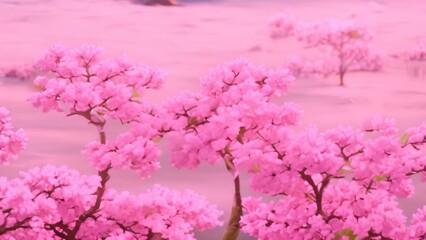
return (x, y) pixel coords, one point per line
(186, 42)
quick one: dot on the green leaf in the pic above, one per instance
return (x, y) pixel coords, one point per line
(380, 178)
(255, 169)
(343, 171)
(354, 34)
(38, 88)
(193, 121)
(404, 138)
(346, 232)
(136, 94)
(156, 139)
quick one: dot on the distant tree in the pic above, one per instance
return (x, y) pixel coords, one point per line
(25, 72)
(345, 46)
(282, 25)
(416, 58)
(347, 43)
(419, 52)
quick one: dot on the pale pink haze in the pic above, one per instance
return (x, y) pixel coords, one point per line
(187, 43)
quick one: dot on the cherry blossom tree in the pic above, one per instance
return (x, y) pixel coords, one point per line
(416, 58)
(418, 53)
(340, 184)
(59, 203)
(282, 25)
(345, 46)
(233, 106)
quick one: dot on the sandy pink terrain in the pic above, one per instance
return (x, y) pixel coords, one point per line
(186, 42)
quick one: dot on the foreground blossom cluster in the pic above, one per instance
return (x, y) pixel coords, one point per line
(50, 202)
(234, 104)
(344, 45)
(59, 203)
(83, 83)
(234, 101)
(339, 184)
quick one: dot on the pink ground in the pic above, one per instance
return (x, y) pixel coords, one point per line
(186, 42)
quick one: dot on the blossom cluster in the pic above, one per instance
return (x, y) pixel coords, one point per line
(80, 82)
(282, 25)
(340, 183)
(59, 203)
(47, 203)
(165, 213)
(135, 150)
(234, 103)
(12, 142)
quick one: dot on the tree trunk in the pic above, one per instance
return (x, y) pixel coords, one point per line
(341, 76)
(233, 226)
